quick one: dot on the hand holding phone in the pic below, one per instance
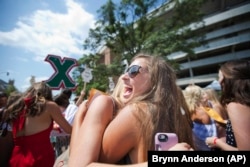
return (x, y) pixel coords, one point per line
(164, 141)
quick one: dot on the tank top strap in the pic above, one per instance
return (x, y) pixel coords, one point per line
(18, 123)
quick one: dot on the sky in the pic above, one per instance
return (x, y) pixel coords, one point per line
(32, 29)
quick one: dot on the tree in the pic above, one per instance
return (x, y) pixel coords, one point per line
(176, 34)
(123, 28)
(100, 73)
(10, 89)
(133, 26)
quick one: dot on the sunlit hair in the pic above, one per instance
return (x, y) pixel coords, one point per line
(160, 101)
(14, 96)
(38, 93)
(116, 94)
(193, 96)
(212, 95)
(236, 82)
(183, 121)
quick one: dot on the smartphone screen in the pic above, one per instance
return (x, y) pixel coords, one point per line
(164, 141)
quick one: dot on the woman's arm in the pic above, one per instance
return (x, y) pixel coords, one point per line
(121, 137)
(80, 99)
(239, 116)
(78, 119)
(87, 134)
(57, 116)
(219, 143)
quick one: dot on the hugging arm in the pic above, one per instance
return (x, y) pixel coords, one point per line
(79, 117)
(88, 131)
(121, 137)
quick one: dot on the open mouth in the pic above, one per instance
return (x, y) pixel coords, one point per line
(127, 92)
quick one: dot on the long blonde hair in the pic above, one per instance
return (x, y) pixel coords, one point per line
(158, 109)
(212, 95)
(117, 92)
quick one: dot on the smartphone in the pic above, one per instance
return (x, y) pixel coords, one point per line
(164, 141)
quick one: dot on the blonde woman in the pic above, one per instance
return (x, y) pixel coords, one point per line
(213, 98)
(149, 95)
(203, 125)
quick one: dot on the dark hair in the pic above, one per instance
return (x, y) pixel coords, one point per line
(76, 99)
(236, 82)
(61, 100)
(67, 92)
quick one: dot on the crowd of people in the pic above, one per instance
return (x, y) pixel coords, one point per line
(119, 128)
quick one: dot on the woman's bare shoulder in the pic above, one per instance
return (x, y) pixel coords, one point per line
(101, 100)
(51, 103)
(51, 106)
(104, 97)
(237, 109)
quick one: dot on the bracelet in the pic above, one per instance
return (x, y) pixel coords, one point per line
(215, 140)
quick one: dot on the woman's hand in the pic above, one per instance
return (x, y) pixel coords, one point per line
(181, 147)
(82, 110)
(211, 141)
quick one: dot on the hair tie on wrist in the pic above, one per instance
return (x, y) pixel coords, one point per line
(215, 140)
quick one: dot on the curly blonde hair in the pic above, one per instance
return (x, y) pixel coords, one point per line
(193, 96)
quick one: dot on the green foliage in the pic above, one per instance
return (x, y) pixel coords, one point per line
(134, 26)
(10, 89)
(100, 73)
(175, 34)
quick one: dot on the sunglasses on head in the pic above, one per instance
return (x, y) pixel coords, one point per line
(133, 70)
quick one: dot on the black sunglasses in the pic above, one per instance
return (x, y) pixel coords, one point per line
(133, 70)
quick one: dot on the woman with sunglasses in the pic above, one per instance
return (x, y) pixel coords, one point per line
(149, 95)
